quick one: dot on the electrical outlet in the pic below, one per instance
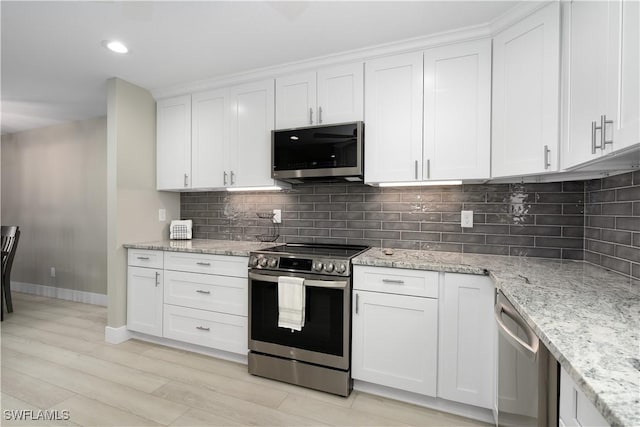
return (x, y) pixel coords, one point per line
(53, 272)
(277, 216)
(466, 219)
(162, 214)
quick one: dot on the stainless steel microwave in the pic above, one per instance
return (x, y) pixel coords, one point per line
(318, 153)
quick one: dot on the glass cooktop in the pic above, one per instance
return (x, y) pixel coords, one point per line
(327, 250)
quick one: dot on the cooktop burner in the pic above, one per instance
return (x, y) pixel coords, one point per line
(307, 258)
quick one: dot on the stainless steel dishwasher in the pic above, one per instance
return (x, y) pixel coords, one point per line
(527, 383)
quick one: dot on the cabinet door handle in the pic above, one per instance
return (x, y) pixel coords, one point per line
(202, 328)
(310, 116)
(224, 178)
(200, 291)
(416, 168)
(186, 180)
(233, 178)
(393, 281)
(594, 128)
(157, 279)
(546, 157)
(320, 115)
(146, 258)
(428, 168)
(603, 133)
(206, 264)
(357, 303)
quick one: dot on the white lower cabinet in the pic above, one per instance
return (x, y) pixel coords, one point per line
(394, 336)
(144, 300)
(194, 298)
(575, 409)
(206, 328)
(466, 334)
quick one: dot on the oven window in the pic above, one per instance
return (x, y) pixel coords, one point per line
(323, 326)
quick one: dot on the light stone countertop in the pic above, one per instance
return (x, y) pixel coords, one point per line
(204, 246)
(588, 318)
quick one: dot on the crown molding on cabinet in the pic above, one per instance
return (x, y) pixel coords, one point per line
(439, 39)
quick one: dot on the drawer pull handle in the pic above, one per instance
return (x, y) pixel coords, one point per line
(200, 291)
(206, 264)
(202, 328)
(394, 282)
(146, 258)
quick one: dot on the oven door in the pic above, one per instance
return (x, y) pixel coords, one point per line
(324, 339)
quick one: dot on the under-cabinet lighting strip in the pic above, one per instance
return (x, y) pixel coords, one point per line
(418, 183)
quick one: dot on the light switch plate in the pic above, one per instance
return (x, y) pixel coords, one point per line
(466, 219)
(162, 214)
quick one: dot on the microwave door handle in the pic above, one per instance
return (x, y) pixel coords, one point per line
(336, 284)
(529, 350)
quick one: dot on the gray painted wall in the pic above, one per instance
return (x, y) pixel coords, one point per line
(133, 201)
(54, 188)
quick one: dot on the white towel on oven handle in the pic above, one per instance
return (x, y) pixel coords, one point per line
(291, 302)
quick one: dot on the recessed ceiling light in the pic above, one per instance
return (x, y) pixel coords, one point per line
(115, 46)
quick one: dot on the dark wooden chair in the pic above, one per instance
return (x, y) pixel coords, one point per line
(9, 244)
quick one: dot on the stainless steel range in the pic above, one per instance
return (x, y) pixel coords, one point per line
(318, 355)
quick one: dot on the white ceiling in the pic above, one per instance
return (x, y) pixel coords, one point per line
(54, 68)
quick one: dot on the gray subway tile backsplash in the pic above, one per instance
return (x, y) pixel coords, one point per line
(596, 220)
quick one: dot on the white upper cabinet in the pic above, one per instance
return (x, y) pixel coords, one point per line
(602, 96)
(457, 111)
(216, 139)
(447, 98)
(330, 95)
(526, 74)
(210, 122)
(393, 118)
(173, 143)
(250, 136)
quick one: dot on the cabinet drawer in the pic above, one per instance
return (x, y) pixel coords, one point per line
(396, 281)
(206, 292)
(208, 329)
(208, 264)
(145, 258)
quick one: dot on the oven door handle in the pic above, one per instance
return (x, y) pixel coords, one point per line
(337, 284)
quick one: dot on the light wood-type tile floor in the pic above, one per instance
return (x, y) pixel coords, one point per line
(54, 358)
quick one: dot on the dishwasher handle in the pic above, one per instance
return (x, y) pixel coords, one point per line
(530, 350)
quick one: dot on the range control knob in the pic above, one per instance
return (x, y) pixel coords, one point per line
(273, 262)
(341, 269)
(253, 261)
(329, 267)
(263, 262)
(318, 266)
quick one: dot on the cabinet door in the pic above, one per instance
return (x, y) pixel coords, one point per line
(210, 116)
(575, 409)
(393, 116)
(144, 300)
(587, 47)
(623, 83)
(466, 347)
(395, 341)
(341, 94)
(526, 72)
(252, 121)
(173, 143)
(457, 111)
(296, 101)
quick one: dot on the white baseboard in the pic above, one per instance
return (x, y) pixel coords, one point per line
(469, 411)
(116, 335)
(60, 293)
